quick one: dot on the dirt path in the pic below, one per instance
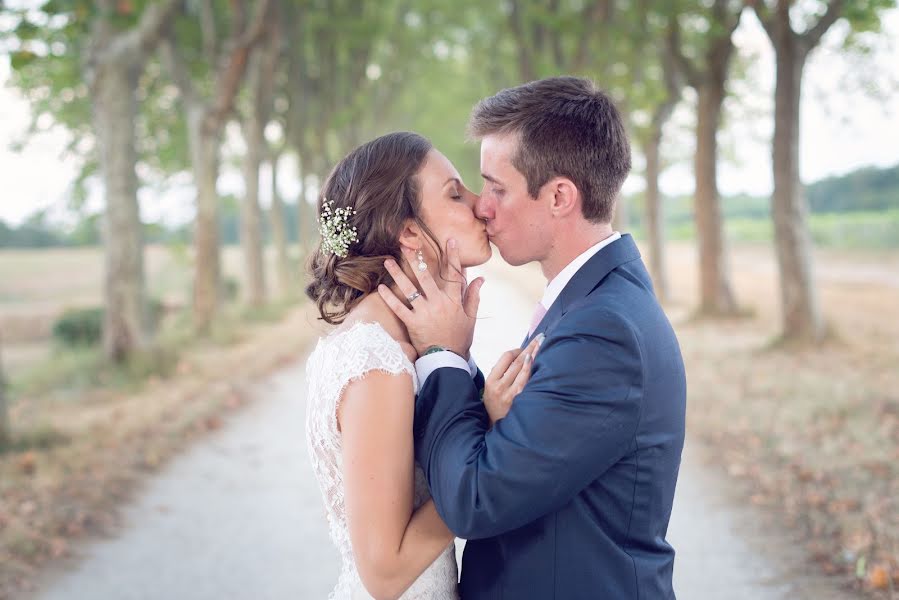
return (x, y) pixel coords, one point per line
(239, 515)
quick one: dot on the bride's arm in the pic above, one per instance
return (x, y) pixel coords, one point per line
(391, 544)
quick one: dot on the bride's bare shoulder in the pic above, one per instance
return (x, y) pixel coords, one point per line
(372, 309)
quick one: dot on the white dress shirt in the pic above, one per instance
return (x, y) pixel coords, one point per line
(426, 365)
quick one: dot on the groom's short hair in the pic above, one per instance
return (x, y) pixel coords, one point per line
(567, 127)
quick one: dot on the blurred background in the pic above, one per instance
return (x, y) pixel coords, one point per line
(161, 162)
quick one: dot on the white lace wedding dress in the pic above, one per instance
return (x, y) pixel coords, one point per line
(338, 359)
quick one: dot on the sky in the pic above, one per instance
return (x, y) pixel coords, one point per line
(842, 128)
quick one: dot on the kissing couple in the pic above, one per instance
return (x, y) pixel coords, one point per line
(558, 468)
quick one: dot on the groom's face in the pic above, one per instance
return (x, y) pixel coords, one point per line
(517, 223)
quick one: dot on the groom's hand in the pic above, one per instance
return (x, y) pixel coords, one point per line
(438, 317)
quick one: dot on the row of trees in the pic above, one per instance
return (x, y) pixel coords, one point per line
(153, 87)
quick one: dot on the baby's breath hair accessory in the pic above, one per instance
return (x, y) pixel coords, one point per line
(334, 226)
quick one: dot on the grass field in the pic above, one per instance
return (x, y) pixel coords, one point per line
(36, 286)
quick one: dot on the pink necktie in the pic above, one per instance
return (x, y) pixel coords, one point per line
(539, 313)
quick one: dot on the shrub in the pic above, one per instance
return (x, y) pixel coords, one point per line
(80, 327)
(231, 288)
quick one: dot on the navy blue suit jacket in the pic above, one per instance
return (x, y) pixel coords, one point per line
(569, 495)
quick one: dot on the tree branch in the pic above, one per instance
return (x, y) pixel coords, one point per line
(671, 75)
(763, 13)
(174, 64)
(525, 56)
(147, 34)
(268, 58)
(592, 14)
(229, 76)
(726, 17)
(675, 49)
(209, 32)
(811, 37)
(252, 34)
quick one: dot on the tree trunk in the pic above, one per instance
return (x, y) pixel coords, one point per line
(114, 114)
(305, 238)
(251, 214)
(801, 315)
(716, 297)
(5, 434)
(279, 233)
(204, 148)
(655, 228)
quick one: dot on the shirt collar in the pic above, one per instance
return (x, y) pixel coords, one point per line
(555, 287)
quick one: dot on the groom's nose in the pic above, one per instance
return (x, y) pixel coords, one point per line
(483, 208)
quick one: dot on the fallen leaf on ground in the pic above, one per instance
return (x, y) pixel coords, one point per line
(878, 578)
(27, 463)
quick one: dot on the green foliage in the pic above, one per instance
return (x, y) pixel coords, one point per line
(38, 232)
(856, 210)
(864, 16)
(49, 47)
(28, 236)
(79, 327)
(83, 327)
(39, 437)
(878, 230)
(70, 371)
(849, 230)
(231, 289)
(868, 189)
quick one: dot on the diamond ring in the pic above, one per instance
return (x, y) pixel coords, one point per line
(413, 297)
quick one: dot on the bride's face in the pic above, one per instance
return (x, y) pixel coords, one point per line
(447, 207)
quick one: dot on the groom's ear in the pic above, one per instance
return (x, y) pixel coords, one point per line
(565, 197)
(411, 235)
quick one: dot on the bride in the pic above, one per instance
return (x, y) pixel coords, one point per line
(392, 195)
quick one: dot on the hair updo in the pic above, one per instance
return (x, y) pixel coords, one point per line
(378, 181)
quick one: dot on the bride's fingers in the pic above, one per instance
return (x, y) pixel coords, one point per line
(402, 282)
(502, 365)
(526, 357)
(425, 280)
(514, 368)
(521, 379)
(473, 297)
(394, 303)
(455, 275)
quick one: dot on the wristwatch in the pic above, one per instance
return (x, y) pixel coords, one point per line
(434, 349)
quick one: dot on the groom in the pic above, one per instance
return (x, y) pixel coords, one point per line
(569, 495)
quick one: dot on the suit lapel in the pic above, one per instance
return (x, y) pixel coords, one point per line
(588, 278)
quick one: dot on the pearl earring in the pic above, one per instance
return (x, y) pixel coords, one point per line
(422, 265)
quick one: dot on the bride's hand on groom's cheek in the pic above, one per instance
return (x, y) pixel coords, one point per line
(508, 378)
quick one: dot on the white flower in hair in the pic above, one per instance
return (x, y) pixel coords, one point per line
(335, 229)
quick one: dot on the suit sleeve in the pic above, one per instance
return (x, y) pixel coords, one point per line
(576, 417)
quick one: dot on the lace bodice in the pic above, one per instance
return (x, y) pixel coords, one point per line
(337, 360)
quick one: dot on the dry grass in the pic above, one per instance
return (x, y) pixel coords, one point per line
(808, 433)
(78, 454)
(99, 446)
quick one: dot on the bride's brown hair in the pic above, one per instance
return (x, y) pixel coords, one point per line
(378, 180)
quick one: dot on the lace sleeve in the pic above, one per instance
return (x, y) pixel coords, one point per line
(337, 361)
